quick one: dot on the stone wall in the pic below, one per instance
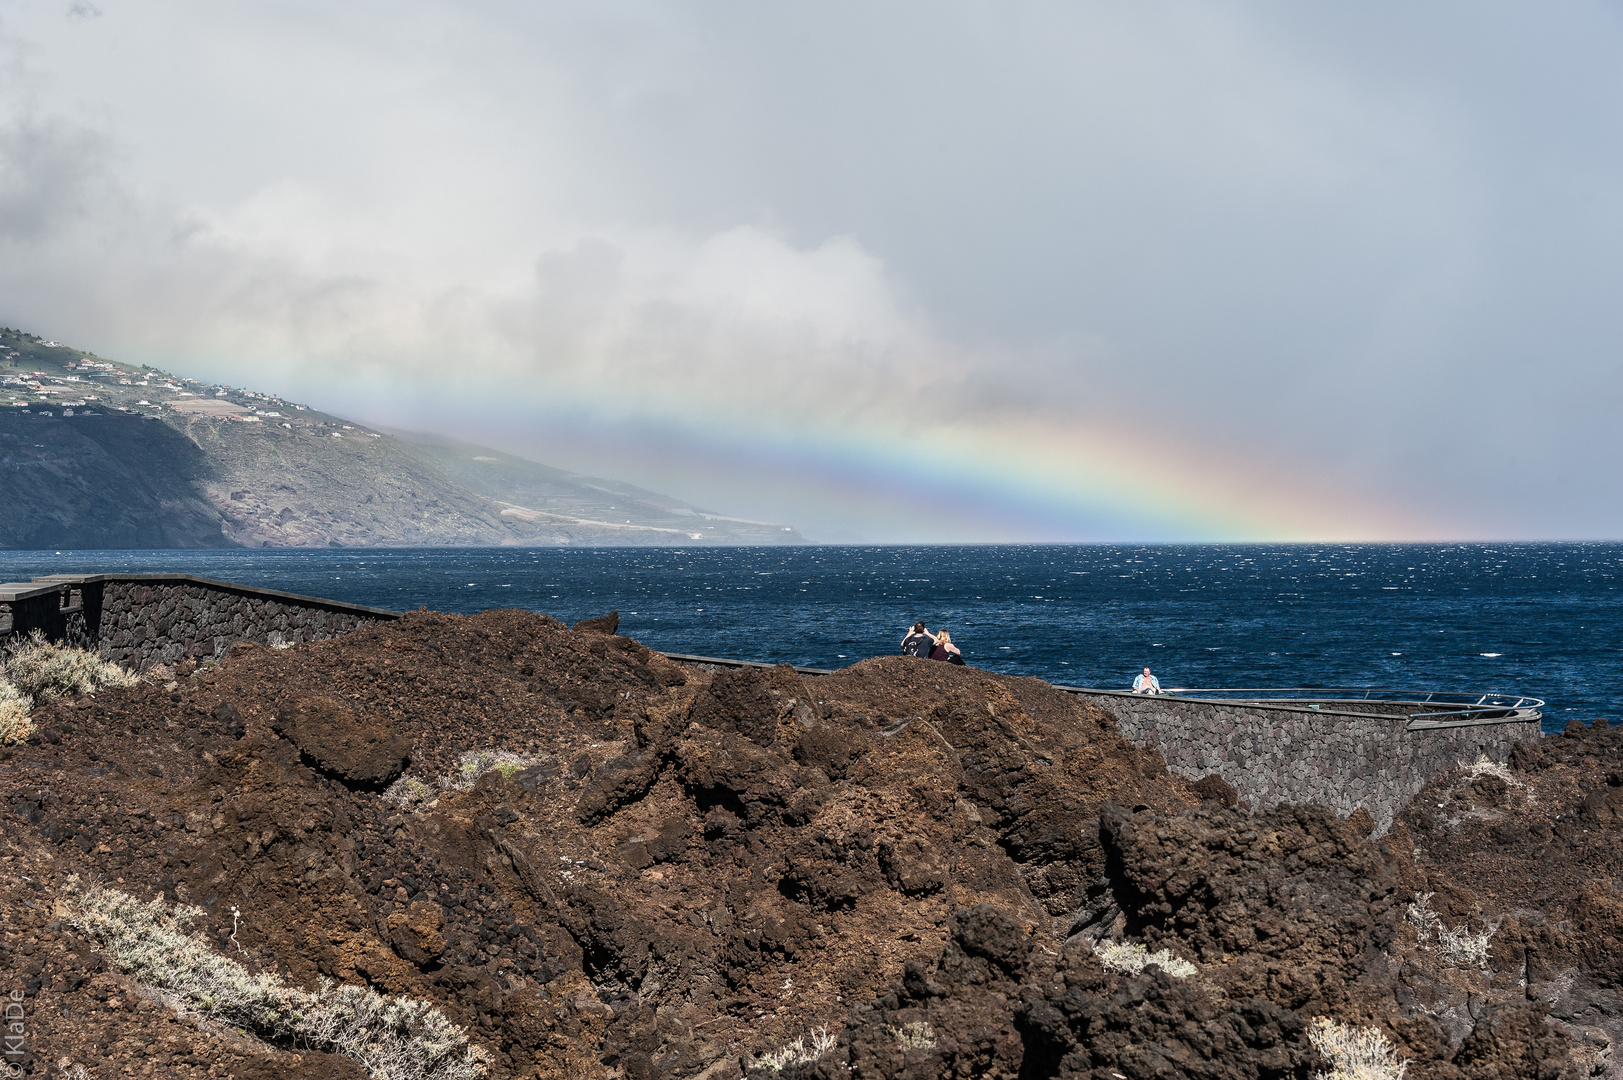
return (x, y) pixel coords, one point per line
(141, 620)
(1342, 760)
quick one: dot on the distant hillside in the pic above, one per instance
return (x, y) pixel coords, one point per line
(95, 454)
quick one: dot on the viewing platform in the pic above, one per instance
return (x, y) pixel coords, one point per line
(1342, 747)
(1424, 709)
(1347, 748)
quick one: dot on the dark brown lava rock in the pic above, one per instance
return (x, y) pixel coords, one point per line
(601, 624)
(601, 863)
(360, 753)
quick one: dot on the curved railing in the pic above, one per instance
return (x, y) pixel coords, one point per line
(1420, 708)
(1423, 708)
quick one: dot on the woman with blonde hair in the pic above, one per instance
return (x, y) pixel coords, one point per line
(945, 649)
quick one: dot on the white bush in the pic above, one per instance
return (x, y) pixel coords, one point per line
(1462, 948)
(1456, 944)
(799, 1052)
(43, 671)
(392, 1038)
(412, 794)
(1483, 766)
(1131, 959)
(918, 1035)
(1354, 1053)
(1421, 917)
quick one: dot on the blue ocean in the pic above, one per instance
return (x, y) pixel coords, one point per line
(1538, 619)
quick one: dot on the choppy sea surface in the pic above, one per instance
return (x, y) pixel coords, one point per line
(1538, 619)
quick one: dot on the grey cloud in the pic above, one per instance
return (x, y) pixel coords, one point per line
(1396, 224)
(51, 176)
(1376, 245)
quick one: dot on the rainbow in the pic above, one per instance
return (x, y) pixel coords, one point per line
(993, 479)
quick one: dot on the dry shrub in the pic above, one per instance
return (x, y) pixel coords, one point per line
(918, 1035)
(799, 1052)
(392, 1038)
(1485, 766)
(1126, 958)
(414, 795)
(1354, 1053)
(15, 725)
(1456, 944)
(44, 671)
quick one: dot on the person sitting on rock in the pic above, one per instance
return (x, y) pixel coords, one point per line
(945, 650)
(1146, 684)
(918, 641)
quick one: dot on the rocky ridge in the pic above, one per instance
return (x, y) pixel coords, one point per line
(604, 863)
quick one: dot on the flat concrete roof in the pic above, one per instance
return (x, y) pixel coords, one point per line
(12, 591)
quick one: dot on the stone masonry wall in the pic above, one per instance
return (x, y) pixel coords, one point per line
(140, 623)
(142, 620)
(1304, 755)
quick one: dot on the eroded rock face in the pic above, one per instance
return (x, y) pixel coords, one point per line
(1286, 916)
(1291, 903)
(1000, 1004)
(740, 702)
(673, 872)
(415, 932)
(601, 624)
(361, 753)
(1532, 853)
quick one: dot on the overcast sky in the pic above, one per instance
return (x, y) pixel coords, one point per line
(889, 272)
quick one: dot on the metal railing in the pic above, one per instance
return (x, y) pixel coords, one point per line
(728, 662)
(1419, 708)
(1423, 708)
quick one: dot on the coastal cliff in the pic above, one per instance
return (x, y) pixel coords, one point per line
(95, 454)
(595, 861)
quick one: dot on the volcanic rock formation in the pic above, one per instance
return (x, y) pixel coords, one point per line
(602, 863)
